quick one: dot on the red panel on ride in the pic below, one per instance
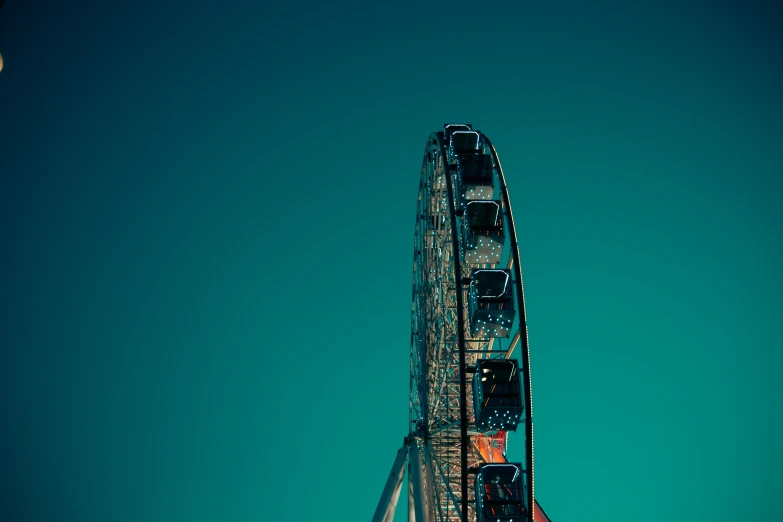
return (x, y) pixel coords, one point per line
(492, 447)
(538, 514)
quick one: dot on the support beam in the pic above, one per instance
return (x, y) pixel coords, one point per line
(391, 492)
(421, 496)
(411, 508)
(393, 507)
(429, 474)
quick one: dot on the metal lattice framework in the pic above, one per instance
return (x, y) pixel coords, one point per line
(444, 446)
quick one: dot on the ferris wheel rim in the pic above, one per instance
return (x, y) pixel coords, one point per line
(525, 349)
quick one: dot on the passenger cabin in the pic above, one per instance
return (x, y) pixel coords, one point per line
(483, 232)
(497, 395)
(500, 493)
(474, 178)
(464, 142)
(491, 303)
(461, 139)
(451, 128)
(472, 167)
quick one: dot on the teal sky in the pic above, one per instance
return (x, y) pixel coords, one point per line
(207, 220)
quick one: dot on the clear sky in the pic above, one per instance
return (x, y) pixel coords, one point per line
(207, 210)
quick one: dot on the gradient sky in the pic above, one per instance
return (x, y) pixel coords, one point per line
(207, 220)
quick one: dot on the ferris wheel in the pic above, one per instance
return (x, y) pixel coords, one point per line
(467, 388)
